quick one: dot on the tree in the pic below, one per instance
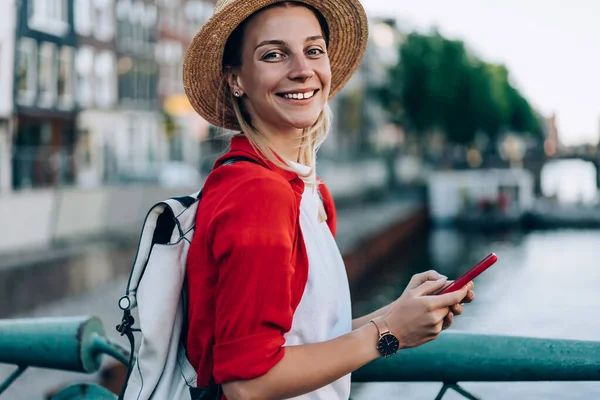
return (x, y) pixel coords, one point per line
(439, 85)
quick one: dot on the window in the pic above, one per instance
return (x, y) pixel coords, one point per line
(126, 75)
(43, 153)
(169, 54)
(136, 18)
(84, 65)
(137, 81)
(84, 17)
(98, 17)
(49, 16)
(25, 72)
(122, 12)
(153, 83)
(142, 81)
(123, 9)
(65, 78)
(150, 18)
(169, 13)
(47, 74)
(105, 20)
(105, 69)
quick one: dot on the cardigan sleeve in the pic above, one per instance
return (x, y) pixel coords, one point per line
(253, 235)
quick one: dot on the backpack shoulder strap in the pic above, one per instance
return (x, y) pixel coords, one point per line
(161, 225)
(233, 160)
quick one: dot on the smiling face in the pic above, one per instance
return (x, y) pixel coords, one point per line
(285, 76)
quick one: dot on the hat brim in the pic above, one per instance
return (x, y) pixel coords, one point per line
(203, 79)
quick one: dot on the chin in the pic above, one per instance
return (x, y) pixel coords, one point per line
(303, 122)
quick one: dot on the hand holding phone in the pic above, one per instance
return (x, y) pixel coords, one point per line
(470, 274)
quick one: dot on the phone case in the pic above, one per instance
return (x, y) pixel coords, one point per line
(470, 274)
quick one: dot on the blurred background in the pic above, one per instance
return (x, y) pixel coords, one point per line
(470, 127)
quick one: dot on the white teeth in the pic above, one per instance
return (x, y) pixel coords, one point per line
(299, 96)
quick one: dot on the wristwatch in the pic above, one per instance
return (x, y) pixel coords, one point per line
(388, 343)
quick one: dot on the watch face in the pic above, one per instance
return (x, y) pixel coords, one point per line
(388, 345)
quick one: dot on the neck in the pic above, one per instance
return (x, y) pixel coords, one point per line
(286, 142)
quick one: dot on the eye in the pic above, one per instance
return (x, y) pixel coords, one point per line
(273, 56)
(315, 51)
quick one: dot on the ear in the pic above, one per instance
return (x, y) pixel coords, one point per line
(233, 80)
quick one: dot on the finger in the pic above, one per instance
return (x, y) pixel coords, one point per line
(449, 299)
(438, 316)
(457, 309)
(469, 297)
(448, 321)
(429, 287)
(440, 327)
(448, 283)
(419, 279)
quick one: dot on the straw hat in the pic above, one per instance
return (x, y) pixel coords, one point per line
(202, 67)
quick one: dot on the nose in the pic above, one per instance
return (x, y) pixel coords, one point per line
(300, 69)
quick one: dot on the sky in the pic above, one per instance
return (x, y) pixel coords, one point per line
(551, 47)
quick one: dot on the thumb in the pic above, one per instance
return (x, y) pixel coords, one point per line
(429, 287)
(423, 277)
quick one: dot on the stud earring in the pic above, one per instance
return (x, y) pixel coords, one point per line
(237, 93)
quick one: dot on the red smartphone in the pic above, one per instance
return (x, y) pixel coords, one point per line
(470, 274)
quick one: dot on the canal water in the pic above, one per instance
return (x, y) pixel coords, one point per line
(545, 284)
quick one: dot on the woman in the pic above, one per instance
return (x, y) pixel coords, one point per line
(269, 303)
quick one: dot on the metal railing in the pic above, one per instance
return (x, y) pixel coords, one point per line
(78, 344)
(464, 357)
(70, 344)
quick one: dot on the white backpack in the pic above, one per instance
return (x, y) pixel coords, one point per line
(157, 287)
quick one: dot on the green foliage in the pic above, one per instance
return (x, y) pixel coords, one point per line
(439, 85)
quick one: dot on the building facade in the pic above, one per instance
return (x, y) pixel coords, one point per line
(96, 89)
(179, 20)
(139, 141)
(360, 123)
(8, 18)
(43, 93)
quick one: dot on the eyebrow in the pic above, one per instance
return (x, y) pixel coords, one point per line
(282, 43)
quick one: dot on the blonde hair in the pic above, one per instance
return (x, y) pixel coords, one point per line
(310, 141)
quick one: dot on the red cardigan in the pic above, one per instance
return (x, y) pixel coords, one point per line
(247, 267)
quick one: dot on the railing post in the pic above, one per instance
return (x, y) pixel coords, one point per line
(59, 343)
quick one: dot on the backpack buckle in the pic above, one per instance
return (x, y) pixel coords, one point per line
(126, 324)
(125, 303)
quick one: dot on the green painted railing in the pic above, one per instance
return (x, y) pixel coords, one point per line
(78, 344)
(463, 357)
(459, 357)
(70, 344)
